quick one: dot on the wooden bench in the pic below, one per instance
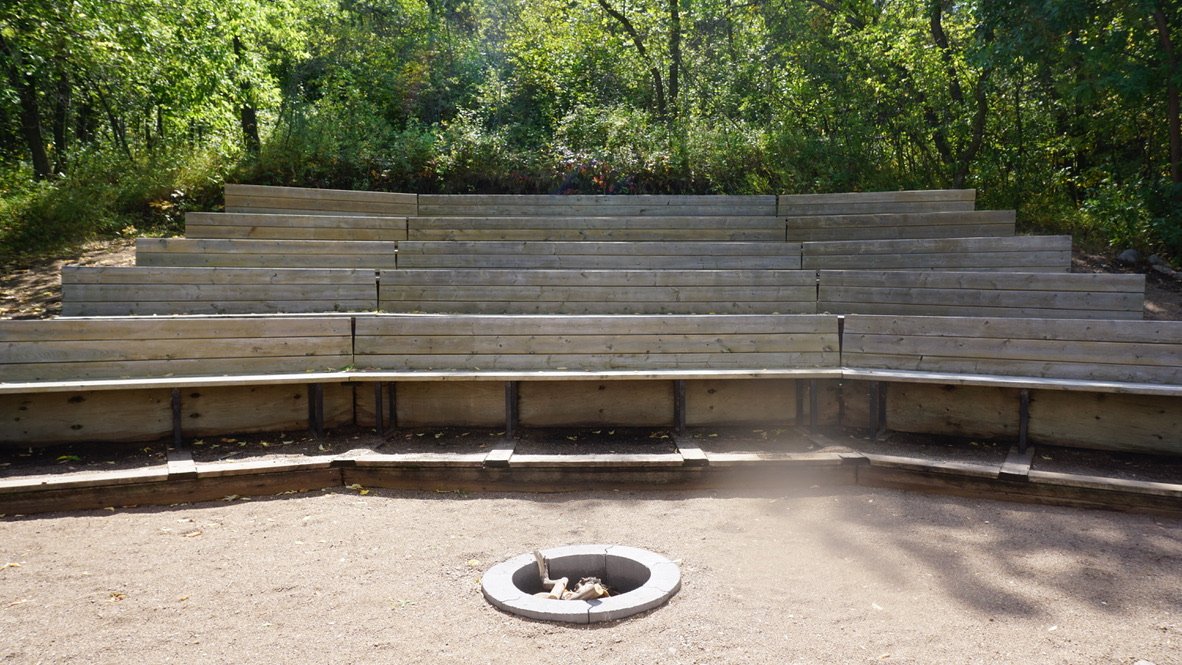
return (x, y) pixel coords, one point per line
(312, 201)
(1103, 384)
(715, 228)
(857, 203)
(139, 290)
(591, 370)
(211, 253)
(902, 226)
(600, 255)
(263, 226)
(593, 205)
(986, 294)
(1017, 254)
(473, 291)
(125, 379)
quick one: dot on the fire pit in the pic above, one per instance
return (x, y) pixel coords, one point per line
(638, 580)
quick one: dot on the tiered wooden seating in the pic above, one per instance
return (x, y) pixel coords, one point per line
(599, 255)
(856, 203)
(1018, 254)
(1102, 384)
(598, 291)
(902, 226)
(258, 226)
(314, 201)
(142, 378)
(187, 252)
(985, 294)
(124, 291)
(713, 228)
(517, 205)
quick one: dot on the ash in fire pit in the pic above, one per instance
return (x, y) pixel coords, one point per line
(533, 585)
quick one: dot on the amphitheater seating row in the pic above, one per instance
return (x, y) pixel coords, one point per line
(1066, 382)
(114, 291)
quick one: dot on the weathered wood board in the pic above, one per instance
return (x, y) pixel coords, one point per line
(553, 227)
(1025, 295)
(600, 255)
(75, 417)
(901, 226)
(741, 402)
(475, 343)
(246, 253)
(1131, 423)
(1016, 254)
(275, 226)
(593, 403)
(1081, 350)
(588, 205)
(241, 409)
(305, 200)
(140, 290)
(962, 411)
(475, 291)
(439, 404)
(855, 203)
(136, 348)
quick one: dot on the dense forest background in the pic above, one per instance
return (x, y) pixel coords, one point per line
(117, 116)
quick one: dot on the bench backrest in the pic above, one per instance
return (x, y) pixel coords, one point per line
(313, 201)
(600, 255)
(857, 203)
(123, 291)
(139, 348)
(1021, 254)
(898, 226)
(720, 228)
(267, 226)
(593, 205)
(1024, 295)
(598, 291)
(197, 252)
(1119, 351)
(469, 343)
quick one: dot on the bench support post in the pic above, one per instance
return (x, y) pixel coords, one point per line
(316, 409)
(511, 409)
(798, 389)
(392, 404)
(877, 395)
(177, 440)
(1023, 419)
(679, 407)
(813, 399)
(378, 408)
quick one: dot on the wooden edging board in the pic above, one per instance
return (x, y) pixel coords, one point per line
(183, 481)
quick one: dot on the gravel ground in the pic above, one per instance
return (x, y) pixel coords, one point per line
(827, 576)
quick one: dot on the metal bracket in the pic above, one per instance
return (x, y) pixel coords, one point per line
(511, 409)
(316, 409)
(177, 439)
(1023, 419)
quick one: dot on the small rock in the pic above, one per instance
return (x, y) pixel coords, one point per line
(1155, 260)
(1129, 257)
(1165, 270)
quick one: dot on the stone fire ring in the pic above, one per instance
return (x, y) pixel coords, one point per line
(642, 579)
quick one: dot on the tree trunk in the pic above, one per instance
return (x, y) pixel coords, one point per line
(248, 118)
(30, 111)
(654, 71)
(1171, 60)
(674, 52)
(61, 119)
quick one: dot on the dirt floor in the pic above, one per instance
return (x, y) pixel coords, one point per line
(823, 576)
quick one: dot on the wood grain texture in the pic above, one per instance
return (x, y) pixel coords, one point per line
(512, 205)
(715, 228)
(722, 403)
(76, 417)
(259, 226)
(853, 203)
(121, 291)
(1127, 423)
(599, 255)
(598, 291)
(447, 404)
(266, 199)
(899, 226)
(246, 253)
(1025, 295)
(1021, 254)
(590, 404)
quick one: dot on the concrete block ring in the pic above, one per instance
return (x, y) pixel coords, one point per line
(641, 580)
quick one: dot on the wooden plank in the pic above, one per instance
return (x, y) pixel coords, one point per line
(572, 307)
(1017, 464)
(143, 275)
(1148, 332)
(600, 255)
(549, 228)
(961, 411)
(81, 416)
(882, 196)
(599, 278)
(588, 362)
(897, 226)
(591, 404)
(246, 253)
(459, 324)
(174, 328)
(450, 404)
(594, 205)
(1124, 423)
(850, 203)
(241, 409)
(740, 402)
(590, 344)
(1072, 282)
(1026, 253)
(257, 198)
(213, 225)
